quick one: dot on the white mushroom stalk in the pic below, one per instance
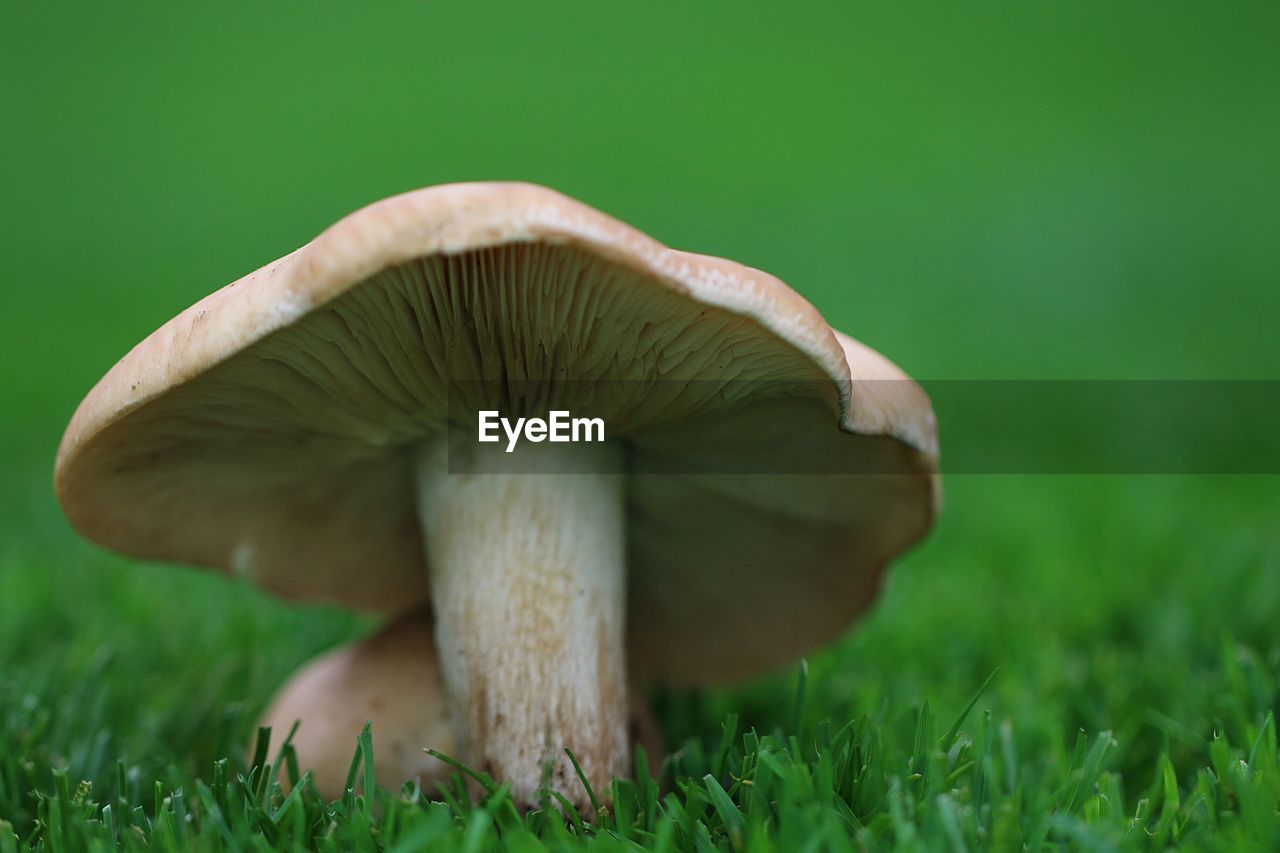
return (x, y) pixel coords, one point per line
(527, 572)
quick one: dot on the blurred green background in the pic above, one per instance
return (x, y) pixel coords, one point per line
(979, 190)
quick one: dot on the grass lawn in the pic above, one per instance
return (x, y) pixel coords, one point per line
(1132, 702)
(1023, 192)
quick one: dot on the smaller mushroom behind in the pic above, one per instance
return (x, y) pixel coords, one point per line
(391, 678)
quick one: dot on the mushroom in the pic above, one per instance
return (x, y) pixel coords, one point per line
(392, 679)
(308, 427)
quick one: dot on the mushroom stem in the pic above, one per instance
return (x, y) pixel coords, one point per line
(527, 571)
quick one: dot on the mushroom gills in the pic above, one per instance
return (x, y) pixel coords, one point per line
(526, 557)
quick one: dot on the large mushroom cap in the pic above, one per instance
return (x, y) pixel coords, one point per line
(268, 429)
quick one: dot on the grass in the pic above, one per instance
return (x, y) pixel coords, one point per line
(1092, 672)
(823, 789)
